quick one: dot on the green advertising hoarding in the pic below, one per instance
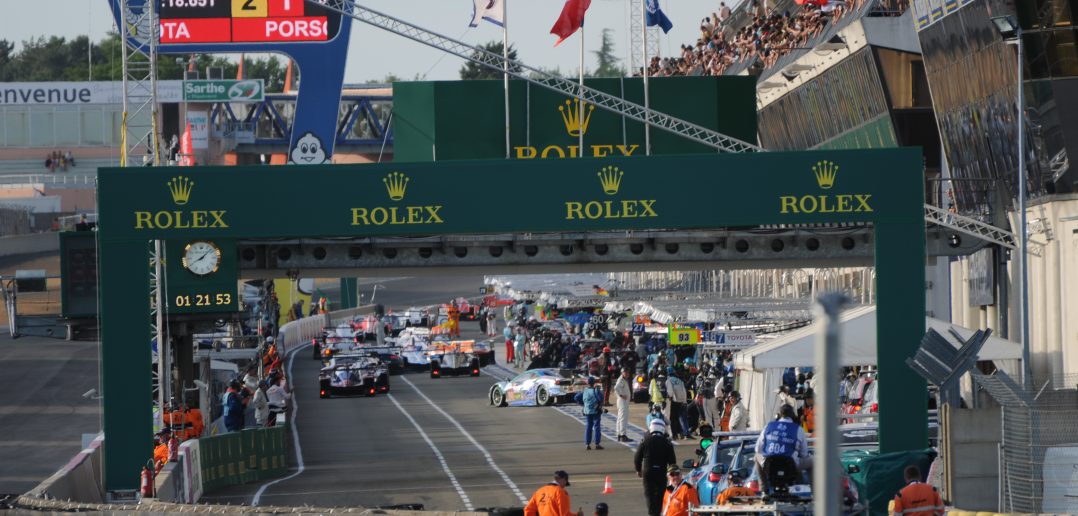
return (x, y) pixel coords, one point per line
(224, 90)
(456, 120)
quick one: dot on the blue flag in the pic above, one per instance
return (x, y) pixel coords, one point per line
(655, 16)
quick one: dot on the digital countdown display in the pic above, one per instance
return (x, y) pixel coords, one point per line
(245, 21)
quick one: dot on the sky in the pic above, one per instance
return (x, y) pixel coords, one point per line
(375, 53)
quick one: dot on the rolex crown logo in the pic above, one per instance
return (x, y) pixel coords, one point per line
(610, 177)
(576, 119)
(825, 173)
(180, 187)
(396, 184)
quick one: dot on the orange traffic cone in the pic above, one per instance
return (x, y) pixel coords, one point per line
(608, 486)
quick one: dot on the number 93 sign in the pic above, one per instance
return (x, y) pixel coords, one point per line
(684, 336)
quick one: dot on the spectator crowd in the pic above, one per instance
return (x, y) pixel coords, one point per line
(59, 160)
(768, 36)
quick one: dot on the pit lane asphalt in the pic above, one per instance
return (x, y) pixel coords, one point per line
(42, 412)
(366, 452)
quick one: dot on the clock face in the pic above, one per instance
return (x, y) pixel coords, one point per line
(201, 258)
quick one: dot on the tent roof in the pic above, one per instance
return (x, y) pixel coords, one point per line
(858, 346)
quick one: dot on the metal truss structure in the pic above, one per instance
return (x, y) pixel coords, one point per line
(363, 119)
(538, 77)
(975, 228)
(139, 137)
(636, 38)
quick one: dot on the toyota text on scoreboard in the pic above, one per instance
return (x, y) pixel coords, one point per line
(245, 21)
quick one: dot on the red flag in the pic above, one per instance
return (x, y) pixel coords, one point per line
(186, 150)
(571, 19)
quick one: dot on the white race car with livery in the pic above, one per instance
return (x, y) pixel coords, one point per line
(538, 387)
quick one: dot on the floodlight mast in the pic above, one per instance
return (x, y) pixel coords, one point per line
(538, 77)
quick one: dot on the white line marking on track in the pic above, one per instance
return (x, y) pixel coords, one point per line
(445, 465)
(490, 460)
(295, 435)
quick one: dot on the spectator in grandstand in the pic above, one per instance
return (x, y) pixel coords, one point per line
(769, 36)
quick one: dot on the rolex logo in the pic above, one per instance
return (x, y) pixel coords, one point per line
(180, 188)
(610, 177)
(825, 173)
(396, 183)
(576, 119)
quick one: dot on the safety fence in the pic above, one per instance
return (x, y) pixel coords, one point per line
(1039, 452)
(242, 457)
(207, 464)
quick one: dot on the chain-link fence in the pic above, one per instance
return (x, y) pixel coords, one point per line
(1039, 452)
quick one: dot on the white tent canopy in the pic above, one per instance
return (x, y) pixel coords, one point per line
(761, 365)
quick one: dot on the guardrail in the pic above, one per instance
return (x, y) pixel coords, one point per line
(60, 179)
(301, 331)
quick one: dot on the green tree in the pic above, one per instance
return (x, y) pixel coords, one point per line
(472, 70)
(58, 59)
(7, 51)
(608, 63)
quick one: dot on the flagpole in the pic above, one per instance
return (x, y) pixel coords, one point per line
(647, 96)
(505, 70)
(580, 106)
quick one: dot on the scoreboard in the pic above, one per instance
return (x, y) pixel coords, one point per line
(245, 21)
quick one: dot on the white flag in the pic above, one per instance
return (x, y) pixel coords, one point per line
(489, 10)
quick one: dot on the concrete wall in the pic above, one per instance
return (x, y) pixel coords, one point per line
(1053, 292)
(29, 244)
(79, 480)
(971, 460)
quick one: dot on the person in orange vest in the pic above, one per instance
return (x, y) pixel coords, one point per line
(680, 495)
(917, 498)
(552, 499)
(807, 413)
(175, 420)
(195, 425)
(160, 449)
(736, 489)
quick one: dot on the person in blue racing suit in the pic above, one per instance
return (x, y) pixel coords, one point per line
(783, 437)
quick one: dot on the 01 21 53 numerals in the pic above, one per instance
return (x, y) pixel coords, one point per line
(196, 300)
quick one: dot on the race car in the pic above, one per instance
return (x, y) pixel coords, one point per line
(413, 343)
(352, 374)
(333, 338)
(538, 387)
(453, 358)
(389, 355)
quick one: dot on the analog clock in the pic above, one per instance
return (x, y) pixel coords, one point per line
(201, 258)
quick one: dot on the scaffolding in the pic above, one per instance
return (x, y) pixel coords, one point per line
(636, 38)
(139, 137)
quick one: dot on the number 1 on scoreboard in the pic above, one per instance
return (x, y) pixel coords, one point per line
(285, 8)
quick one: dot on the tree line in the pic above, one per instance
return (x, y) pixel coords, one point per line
(57, 58)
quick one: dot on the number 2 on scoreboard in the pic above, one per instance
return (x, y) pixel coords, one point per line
(249, 9)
